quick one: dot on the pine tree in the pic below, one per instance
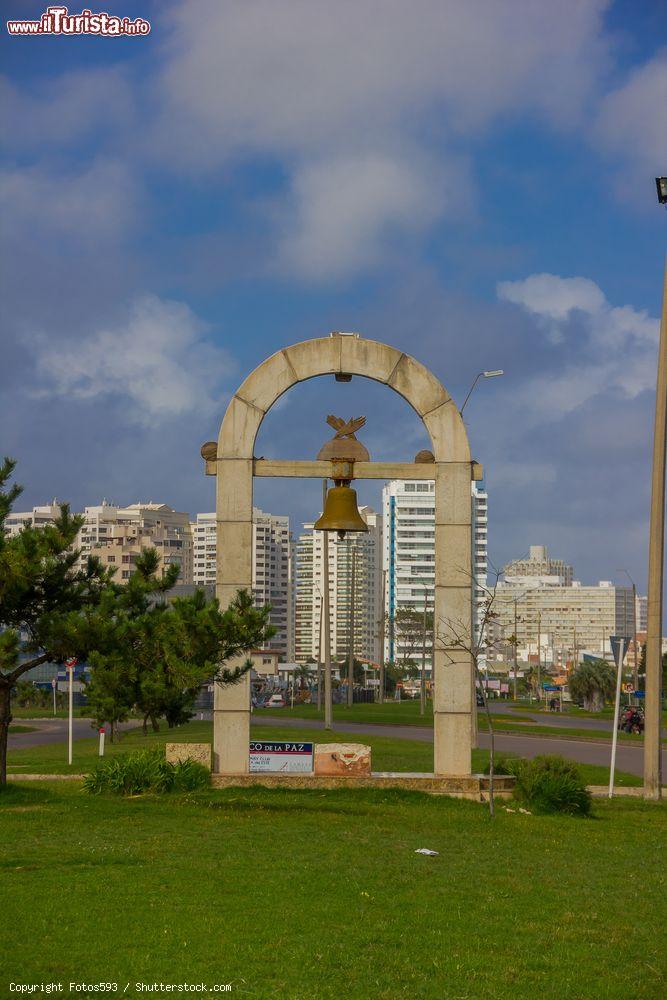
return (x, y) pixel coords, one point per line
(39, 590)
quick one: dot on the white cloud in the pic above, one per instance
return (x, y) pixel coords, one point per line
(348, 97)
(157, 363)
(58, 110)
(95, 203)
(631, 126)
(343, 211)
(552, 297)
(314, 75)
(616, 346)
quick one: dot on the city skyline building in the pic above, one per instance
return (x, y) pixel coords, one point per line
(560, 622)
(538, 567)
(409, 557)
(363, 551)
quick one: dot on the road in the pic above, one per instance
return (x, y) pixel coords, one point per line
(628, 758)
(54, 731)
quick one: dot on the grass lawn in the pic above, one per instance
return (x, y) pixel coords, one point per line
(318, 895)
(47, 713)
(388, 753)
(21, 729)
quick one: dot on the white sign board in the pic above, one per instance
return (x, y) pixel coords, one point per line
(278, 755)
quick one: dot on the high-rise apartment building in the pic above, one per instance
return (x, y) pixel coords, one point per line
(272, 576)
(36, 518)
(539, 567)
(358, 558)
(271, 569)
(409, 556)
(117, 535)
(204, 548)
(563, 621)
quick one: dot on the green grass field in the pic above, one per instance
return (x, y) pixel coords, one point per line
(388, 754)
(318, 895)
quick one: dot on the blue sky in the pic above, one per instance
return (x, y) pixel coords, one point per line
(471, 182)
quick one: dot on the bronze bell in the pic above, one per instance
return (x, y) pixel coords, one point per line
(340, 512)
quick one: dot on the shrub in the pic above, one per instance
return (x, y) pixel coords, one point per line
(550, 784)
(145, 771)
(502, 764)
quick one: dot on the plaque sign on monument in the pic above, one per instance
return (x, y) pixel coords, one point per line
(282, 756)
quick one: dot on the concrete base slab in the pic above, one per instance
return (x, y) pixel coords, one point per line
(469, 786)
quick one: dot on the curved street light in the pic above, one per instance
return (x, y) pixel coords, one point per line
(491, 374)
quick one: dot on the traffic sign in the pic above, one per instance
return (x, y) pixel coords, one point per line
(71, 663)
(619, 647)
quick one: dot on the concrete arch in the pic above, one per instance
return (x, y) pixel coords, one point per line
(451, 472)
(353, 355)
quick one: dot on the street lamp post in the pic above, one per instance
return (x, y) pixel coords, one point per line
(350, 657)
(326, 631)
(491, 374)
(422, 685)
(652, 694)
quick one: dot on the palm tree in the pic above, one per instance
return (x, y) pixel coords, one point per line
(303, 673)
(593, 682)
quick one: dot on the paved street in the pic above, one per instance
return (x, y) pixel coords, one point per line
(54, 731)
(628, 758)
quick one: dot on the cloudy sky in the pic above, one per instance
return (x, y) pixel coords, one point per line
(472, 182)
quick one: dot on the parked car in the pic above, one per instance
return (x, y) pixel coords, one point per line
(275, 701)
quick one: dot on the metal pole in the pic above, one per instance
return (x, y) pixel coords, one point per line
(328, 700)
(516, 644)
(635, 669)
(422, 684)
(319, 656)
(350, 654)
(617, 707)
(71, 713)
(652, 706)
(539, 656)
(381, 660)
(54, 688)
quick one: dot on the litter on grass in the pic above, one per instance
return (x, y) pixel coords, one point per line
(425, 850)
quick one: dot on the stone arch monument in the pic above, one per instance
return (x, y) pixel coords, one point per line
(234, 465)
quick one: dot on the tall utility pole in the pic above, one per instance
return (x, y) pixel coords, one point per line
(422, 683)
(326, 605)
(350, 655)
(652, 703)
(516, 645)
(319, 655)
(635, 670)
(381, 638)
(539, 656)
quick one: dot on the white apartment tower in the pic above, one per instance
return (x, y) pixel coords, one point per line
(272, 576)
(271, 569)
(361, 550)
(409, 554)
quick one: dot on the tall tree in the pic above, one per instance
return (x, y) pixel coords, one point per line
(151, 654)
(39, 589)
(593, 682)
